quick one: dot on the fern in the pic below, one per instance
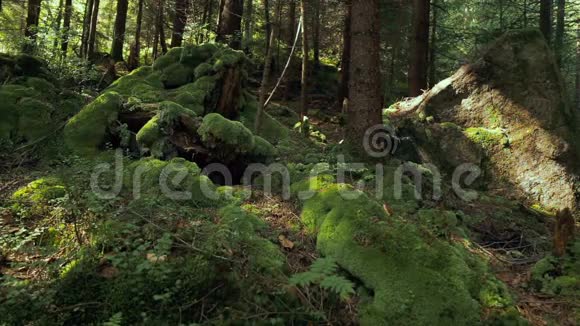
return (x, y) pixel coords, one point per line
(115, 320)
(339, 285)
(323, 272)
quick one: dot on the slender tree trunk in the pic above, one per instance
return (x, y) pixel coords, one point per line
(525, 13)
(278, 34)
(136, 48)
(248, 21)
(365, 91)
(66, 27)
(32, 20)
(345, 60)
(560, 25)
(86, 28)
(268, 23)
(420, 54)
(230, 28)
(209, 19)
(305, 55)
(578, 67)
(546, 7)
(57, 26)
(119, 31)
(160, 26)
(264, 87)
(179, 22)
(316, 41)
(93, 29)
(433, 47)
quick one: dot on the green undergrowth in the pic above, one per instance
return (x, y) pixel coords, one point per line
(559, 276)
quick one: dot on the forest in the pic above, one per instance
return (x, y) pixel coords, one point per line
(289, 162)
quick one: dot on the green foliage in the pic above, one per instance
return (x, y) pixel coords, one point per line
(558, 276)
(323, 272)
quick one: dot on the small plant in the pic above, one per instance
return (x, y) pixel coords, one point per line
(323, 272)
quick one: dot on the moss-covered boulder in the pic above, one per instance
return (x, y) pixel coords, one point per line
(511, 103)
(412, 277)
(87, 131)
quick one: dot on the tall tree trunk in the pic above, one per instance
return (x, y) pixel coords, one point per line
(345, 60)
(57, 25)
(160, 29)
(86, 28)
(365, 92)
(546, 7)
(93, 29)
(179, 22)
(420, 48)
(209, 19)
(264, 87)
(248, 21)
(230, 28)
(291, 22)
(305, 54)
(66, 27)
(31, 30)
(316, 40)
(560, 25)
(136, 48)
(268, 23)
(433, 46)
(578, 67)
(119, 31)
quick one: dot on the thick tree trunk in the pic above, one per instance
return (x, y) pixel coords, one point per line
(560, 25)
(230, 27)
(345, 60)
(86, 28)
(93, 29)
(365, 99)
(420, 48)
(305, 55)
(248, 21)
(119, 31)
(546, 7)
(291, 22)
(136, 48)
(179, 22)
(66, 27)
(32, 19)
(433, 47)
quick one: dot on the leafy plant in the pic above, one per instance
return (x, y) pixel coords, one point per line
(323, 272)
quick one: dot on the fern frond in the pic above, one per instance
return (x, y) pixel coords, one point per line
(339, 285)
(305, 279)
(324, 266)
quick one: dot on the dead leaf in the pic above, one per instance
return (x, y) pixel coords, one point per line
(285, 242)
(388, 209)
(156, 259)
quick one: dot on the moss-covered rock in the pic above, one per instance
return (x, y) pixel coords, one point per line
(413, 281)
(34, 198)
(217, 130)
(87, 131)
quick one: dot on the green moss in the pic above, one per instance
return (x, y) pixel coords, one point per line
(558, 276)
(165, 61)
(262, 148)
(216, 130)
(41, 85)
(34, 119)
(41, 190)
(493, 116)
(227, 58)
(270, 129)
(150, 133)
(414, 281)
(87, 131)
(193, 56)
(176, 75)
(203, 69)
(487, 138)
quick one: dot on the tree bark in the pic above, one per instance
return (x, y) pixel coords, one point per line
(86, 28)
(93, 29)
(316, 41)
(365, 99)
(268, 23)
(345, 60)
(248, 21)
(546, 19)
(578, 68)
(305, 55)
(420, 48)
(560, 25)
(433, 47)
(32, 20)
(160, 31)
(66, 27)
(230, 27)
(179, 22)
(291, 22)
(57, 26)
(264, 87)
(136, 48)
(119, 31)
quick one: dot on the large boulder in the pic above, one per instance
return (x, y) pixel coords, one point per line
(512, 104)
